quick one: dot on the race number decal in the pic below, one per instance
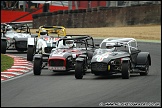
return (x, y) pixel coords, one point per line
(55, 39)
(100, 58)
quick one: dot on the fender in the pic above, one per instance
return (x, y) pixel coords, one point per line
(20, 39)
(31, 41)
(34, 35)
(80, 60)
(38, 56)
(4, 39)
(142, 57)
(125, 59)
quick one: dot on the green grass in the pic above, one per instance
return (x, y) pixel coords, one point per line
(6, 62)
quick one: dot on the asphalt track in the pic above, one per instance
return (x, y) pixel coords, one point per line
(63, 90)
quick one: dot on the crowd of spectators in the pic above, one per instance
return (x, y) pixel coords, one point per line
(9, 4)
(18, 5)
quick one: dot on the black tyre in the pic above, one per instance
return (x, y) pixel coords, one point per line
(37, 66)
(125, 70)
(146, 69)
(3, 46)
(30, 53)
(79, 70)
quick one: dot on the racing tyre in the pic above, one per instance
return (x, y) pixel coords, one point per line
(79, 70)
(37, 66)
(125, 70)
(30, 53)
(3, 46)
(146, 69)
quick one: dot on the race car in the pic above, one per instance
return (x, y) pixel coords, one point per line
(44, 42)
(15, 36)
(69, 50)
(118, 55)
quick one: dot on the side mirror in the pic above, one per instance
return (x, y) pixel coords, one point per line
(37, 31)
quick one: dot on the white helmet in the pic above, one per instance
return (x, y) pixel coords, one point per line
(110, 46)
(43, 32)
(9, 28)
(69, 43)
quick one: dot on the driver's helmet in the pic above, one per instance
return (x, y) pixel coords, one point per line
(110, 46)
(9, 28)
(43, 32)
(69, 43)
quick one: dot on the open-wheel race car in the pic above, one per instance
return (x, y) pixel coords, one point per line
(44, 42)
(69, 50)
(118, 55)
(14, 36)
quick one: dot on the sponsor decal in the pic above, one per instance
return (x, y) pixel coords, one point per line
(57, 68)
(55, 39)
(100, 58)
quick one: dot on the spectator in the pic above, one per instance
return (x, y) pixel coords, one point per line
(29, 4)
(2, 4)
(8, 4)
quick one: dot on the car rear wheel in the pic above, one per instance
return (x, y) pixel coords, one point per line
(37, 66)
(125, 70)
(146, 69)
(30, 53)
(3, 46)
(79, 70)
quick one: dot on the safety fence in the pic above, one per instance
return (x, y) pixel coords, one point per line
(101, 16)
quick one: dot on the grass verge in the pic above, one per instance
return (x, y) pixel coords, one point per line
(6, 62)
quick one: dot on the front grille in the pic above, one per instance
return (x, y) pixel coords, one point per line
(99, 66)
(56, 62)
(48, 49)
(21, 44)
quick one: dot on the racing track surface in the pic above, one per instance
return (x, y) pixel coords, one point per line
(63, 90)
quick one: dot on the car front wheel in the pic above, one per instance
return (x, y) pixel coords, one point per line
(125, 70)
(146, 69)
(37, 66)
(30, 53)
(79, 71)
(3, 46)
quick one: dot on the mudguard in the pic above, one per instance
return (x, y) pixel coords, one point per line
(125, 59)
(34, 35)
(38, 56)
(142, 58)
(80, 59)
(31, 41)
(20, 39)
(4, 39)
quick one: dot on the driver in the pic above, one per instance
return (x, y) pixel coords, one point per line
(8, 28)
(110, 46)
(70, 43)
(43, 33)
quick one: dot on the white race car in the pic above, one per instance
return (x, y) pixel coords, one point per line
(45, 42)
(15, 37)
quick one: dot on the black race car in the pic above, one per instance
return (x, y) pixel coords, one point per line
(69, 50)
(118, 55)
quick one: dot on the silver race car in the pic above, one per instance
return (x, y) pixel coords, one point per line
(14, 37)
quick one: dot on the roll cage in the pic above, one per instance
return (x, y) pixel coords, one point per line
(129, 43)
(59, 30)
(82, 39)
